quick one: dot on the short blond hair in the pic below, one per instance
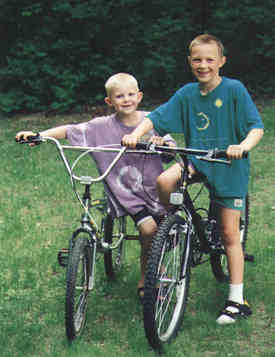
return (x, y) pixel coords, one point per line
(117, 80)
(207, 39)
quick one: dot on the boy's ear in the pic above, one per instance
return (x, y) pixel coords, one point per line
(140, 96)
(107, 100)
(223, 61)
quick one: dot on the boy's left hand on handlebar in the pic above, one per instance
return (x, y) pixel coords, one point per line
(130, 140)
(23, 136)
(235, 152)
(157, 140)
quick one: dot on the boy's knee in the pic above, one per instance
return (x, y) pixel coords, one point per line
(148, 229)
(161, 180)
(166, 182)
(231, 236)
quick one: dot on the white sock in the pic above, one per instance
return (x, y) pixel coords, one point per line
(236, 295)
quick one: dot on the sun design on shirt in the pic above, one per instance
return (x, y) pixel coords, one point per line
(203, 122)
(218, 103)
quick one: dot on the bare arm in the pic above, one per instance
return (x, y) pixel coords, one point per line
(59, 132)
(131, 140)
(252, 139)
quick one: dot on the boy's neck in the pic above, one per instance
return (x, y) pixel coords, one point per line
(132, 119)
(206, 88)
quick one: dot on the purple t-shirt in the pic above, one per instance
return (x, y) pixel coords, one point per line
(131, 184)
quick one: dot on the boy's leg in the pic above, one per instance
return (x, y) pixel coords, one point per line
(147, 230)
(230, 222)
(147, 227)
(167, 183)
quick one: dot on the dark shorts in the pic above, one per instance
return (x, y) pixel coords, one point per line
(237, 203)
(143, 215)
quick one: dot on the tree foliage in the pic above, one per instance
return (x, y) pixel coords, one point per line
(57, 54)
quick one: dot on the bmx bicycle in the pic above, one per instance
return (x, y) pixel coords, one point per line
(99, 232)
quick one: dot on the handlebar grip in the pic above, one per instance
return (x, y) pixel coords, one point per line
(221, 154)
(143, 145)
(245, 155)
(35, 139)
(150, 146)
(140, 145)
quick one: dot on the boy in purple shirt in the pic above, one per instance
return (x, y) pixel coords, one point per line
(131, 185)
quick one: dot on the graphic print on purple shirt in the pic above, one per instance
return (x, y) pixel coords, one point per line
(131, 184)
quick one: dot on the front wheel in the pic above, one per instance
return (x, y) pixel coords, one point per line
(78, 283)
(218, 260)
(114, 228)
(167, 281)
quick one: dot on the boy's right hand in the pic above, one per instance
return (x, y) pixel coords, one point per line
(23, 136)
(130, 140)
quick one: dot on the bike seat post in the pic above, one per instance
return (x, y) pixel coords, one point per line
(87, 194)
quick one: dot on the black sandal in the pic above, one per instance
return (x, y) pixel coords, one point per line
(140, 294)
(244, 310)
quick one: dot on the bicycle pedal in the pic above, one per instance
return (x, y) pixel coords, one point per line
(62, 257)
(249, 258)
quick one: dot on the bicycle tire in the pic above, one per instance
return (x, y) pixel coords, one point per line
(77, 286)
(113, 259)
(218, 261)
(166, 291)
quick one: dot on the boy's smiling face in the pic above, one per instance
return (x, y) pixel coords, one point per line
(205, 61)
(124, 99)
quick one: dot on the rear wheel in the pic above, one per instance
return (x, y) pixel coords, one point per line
(114, 228)
(167, 281)
(78, 284)
(219, 260)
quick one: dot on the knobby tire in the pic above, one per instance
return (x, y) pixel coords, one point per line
(77, 286)
(167, 281)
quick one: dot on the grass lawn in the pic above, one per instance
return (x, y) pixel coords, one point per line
(38, 212)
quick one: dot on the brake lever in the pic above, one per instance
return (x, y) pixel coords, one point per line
(205, 158)
(209, 157)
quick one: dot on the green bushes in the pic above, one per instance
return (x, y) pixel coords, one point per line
(56, 55)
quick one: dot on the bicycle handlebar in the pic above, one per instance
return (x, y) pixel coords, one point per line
(37, 139)
(209, 155)
(214, 155)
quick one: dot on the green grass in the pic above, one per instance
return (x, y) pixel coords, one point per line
(38, 212)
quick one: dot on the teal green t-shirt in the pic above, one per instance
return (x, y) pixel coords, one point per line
(223, 117)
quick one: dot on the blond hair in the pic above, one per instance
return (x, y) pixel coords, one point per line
(207, 39)
(119, 79)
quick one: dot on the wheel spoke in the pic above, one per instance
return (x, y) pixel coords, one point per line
(114, 231)
(79, 272)
(170, 268)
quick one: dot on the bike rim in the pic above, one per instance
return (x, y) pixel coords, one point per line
(82, 287)
(171, 292)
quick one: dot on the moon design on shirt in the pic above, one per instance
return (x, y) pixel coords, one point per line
(203, 121)
(130, 179)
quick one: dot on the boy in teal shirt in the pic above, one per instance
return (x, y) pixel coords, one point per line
(215, 112)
